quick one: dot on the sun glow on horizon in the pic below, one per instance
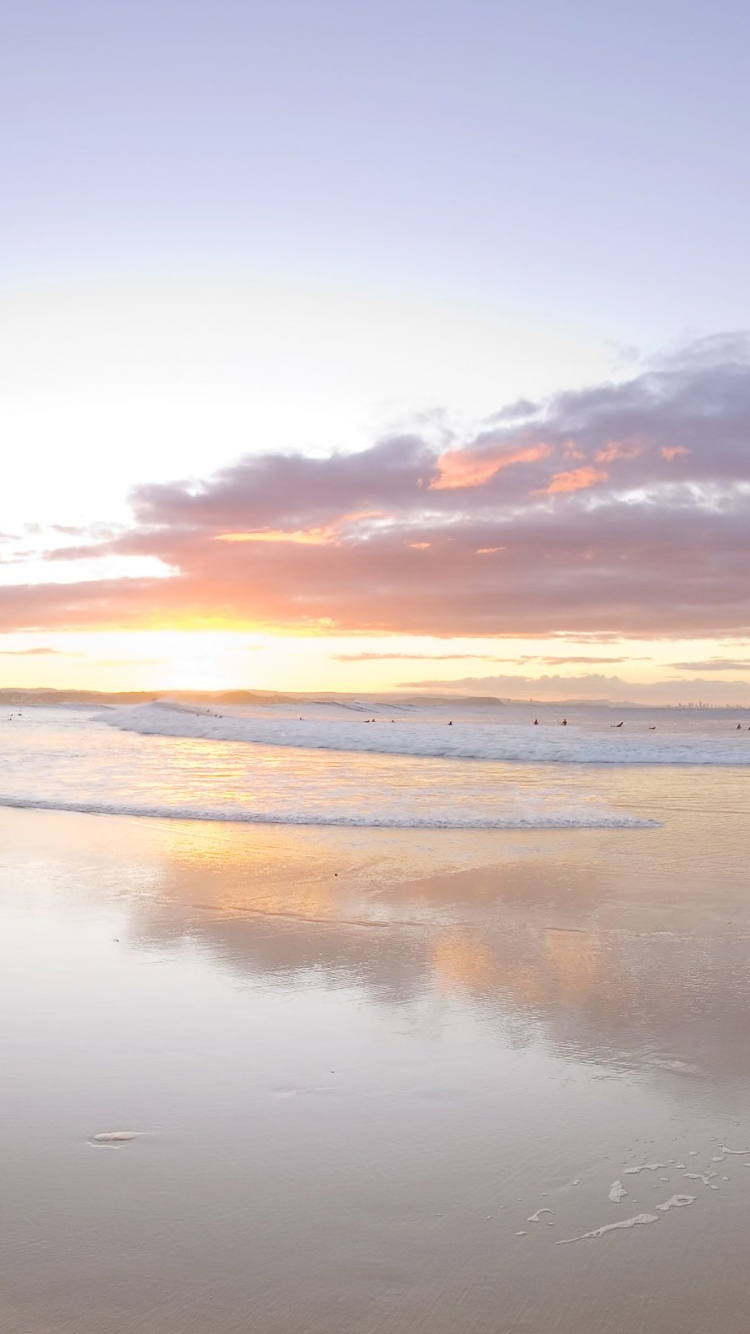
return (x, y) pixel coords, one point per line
(286, 660)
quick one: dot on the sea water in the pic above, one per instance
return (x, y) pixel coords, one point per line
(456, 765)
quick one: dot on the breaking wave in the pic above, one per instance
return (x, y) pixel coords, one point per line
(429, 736)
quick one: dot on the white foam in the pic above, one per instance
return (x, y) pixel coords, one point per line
(114, 1136)
(644, 1167)
(537, 1217)
(617, 1192)
(676, 1202)
(741, 1152)
(424, 736)
(637, 1221)
(533, 817)
(706, 1177)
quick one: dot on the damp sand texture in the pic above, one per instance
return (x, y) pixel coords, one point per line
(346, 1068)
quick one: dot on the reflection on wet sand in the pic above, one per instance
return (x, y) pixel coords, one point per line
(379, 1076)
(540, 935)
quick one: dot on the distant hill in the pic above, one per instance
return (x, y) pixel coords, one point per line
(18, 697)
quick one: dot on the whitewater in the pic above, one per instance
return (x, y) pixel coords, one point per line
(430, 733)
(373, 765)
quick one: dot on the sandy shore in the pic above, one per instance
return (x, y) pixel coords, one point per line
(360, 1064)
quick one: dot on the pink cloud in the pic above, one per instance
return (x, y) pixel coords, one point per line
(579, 479)
(340, 541)
(460, 468)
(612, 452)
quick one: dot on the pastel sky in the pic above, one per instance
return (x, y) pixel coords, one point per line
(356, 346)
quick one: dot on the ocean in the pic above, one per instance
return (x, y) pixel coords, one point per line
(349, 762)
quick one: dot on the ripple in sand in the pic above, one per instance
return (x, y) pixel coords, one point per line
(636, 1221)
(304, 1090)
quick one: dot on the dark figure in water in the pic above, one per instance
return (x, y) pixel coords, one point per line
(536, 722)
(739, 727)
(618, 724)
(564, 722)
(450, 724)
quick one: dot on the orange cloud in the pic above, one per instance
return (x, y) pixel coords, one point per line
(459, 468)
(614, 451)
(489, 551)
(316, 537)
(571, 450)
(579, 479)
(670, 452)
(320, 536)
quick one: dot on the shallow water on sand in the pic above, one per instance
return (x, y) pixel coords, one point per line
(355, 1068)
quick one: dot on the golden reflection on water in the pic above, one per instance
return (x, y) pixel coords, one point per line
(575, 962)
(364, 1059)
(567, 968)
(615, 945)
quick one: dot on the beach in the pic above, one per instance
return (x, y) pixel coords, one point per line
(374, 1077)
(374, 668)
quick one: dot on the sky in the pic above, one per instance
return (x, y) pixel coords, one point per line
(350, 346)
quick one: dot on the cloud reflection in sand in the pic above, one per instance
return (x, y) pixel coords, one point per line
(564, 950)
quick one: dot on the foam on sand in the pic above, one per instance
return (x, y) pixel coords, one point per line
(617, 1192)
(529, 816)
(115, 1136)
(706, 1177)
(636, 1221)
(676, 1202)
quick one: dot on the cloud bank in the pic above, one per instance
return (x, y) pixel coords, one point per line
(621, 509)
(594, 686)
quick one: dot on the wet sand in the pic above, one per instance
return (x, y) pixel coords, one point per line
(370, 1080)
